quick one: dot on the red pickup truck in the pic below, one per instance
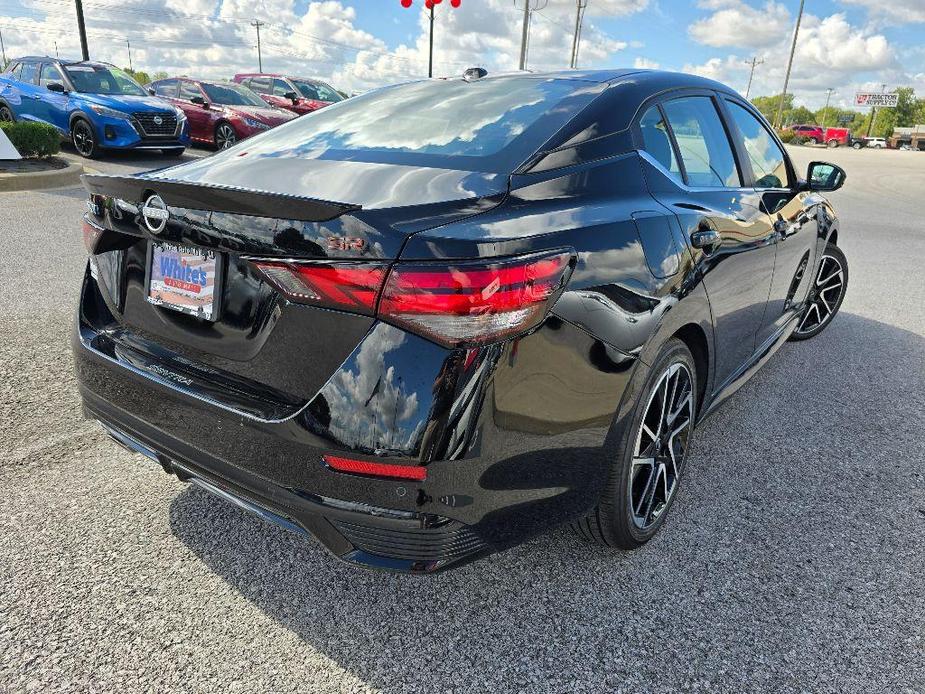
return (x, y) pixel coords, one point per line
(833, 137)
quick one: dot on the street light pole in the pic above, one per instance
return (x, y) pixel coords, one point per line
(582, 4)
(523, 38)
(129, 45)
(873, 112)
(82, 30)
(2, 50)
(793, 48)
(430, 59)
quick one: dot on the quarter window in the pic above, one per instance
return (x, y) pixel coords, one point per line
(657, 142)
(767, 158)
(29, 73)
(261, 85)
(702, 143)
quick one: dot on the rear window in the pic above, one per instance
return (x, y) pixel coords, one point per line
(490, 125)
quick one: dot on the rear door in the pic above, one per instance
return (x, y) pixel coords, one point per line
(791, 212)
(702, 183)
(200, 117)
(52, 107)
(28, 91)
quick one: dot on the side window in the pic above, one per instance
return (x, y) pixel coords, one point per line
(166, 88)
(14, 70)
(280, 88)
(657, 142)
(188, 90)
(261, 85)
(768, 161)
(702, 142)
(29, 73)
(50, 73)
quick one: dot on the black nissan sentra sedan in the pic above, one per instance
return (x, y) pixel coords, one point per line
(431, 321)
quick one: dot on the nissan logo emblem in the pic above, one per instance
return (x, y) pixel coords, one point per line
(154, 213)
(158, 120)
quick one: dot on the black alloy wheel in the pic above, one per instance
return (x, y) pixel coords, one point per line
(825, 294)
(6, 115)
(225, 136)
(644, 479)
(83, 139)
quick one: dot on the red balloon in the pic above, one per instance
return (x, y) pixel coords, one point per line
(406, 3)
(429, 4)
(455, 3)
(436, 2)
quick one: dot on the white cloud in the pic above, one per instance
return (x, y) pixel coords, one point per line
(899, 11)
(735, 23)
(645, 64)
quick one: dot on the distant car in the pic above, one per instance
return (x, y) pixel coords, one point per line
(837, 136)
(813, 133)
(296, 94)
(95, 105)
(219, 113)
(876, 142)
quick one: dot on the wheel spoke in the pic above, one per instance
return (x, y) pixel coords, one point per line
(648, 490)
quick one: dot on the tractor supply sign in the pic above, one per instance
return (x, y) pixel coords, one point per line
(876, 99)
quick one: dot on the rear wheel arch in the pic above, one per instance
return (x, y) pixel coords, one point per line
(695, 338)
(833, 237)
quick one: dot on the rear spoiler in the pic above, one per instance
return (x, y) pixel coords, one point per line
(200, 196)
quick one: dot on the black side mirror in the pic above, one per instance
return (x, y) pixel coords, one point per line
(822, 176)
(199, 100)
(292, 96)
(56, 87)
(152, 92)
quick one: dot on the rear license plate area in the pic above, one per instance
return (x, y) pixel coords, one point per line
(184, 279)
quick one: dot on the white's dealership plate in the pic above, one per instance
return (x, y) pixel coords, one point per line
(183, 278)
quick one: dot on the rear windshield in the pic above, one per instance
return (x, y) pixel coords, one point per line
(490, 125)
(318, 91)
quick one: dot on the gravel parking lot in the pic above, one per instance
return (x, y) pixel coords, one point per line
(793, 560)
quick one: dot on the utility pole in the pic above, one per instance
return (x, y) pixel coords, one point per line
(825, 111)
(579, 14)
(793, 48)
(82, 30)
(523, 38)
(56, 50)
(257, 24)
(2, 49)
(130, 67)
(754, 62)
(873, 113)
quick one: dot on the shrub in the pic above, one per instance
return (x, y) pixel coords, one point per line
(33, 139)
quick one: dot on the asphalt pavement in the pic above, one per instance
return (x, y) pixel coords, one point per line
(793, 559)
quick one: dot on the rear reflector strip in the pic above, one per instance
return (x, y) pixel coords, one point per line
(364, 467)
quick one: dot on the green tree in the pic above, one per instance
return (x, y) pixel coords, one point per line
(799, 115)
(139, 76)
(159, 75)
(906, 107)
(768, 105)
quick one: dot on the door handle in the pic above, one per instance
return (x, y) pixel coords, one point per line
(705, 238)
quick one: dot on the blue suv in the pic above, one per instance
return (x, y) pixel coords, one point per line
(97, 106)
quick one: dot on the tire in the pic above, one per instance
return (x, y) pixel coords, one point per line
(833, 144)
(6, 114)
(173, 151)
(84, 139)
(815, 140)
(856, 145)
(823, 303)
(615, 522)
(225, 135)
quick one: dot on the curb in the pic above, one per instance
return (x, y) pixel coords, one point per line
(56, 178)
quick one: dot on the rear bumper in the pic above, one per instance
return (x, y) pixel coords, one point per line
(389, 539)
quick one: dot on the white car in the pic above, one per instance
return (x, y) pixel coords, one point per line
(876, 142)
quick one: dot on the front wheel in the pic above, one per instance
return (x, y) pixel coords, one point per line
(6, 115)
(225, 136)
(826, 294)
(84, 139)
(644, 478)
(856, 145)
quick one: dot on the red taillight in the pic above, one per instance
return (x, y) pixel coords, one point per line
(470, 303)
(364, 467)
(91, 234)
(347, 286)
(466, 303)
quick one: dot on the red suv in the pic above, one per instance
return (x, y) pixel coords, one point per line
(810, 132)
(219, 113)
(294, 94)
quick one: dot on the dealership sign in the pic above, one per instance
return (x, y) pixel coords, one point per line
(876, 99)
